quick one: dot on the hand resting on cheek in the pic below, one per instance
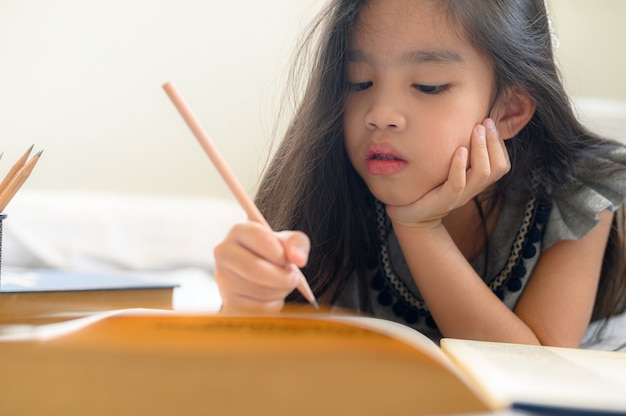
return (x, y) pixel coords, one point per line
(471, 172)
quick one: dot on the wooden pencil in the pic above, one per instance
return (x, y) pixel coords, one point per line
(229, 177)
(15, 168)
(8, 192)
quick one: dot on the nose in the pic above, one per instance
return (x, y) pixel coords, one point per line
(385, 112)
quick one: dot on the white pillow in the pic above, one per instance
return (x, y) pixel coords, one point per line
(98, 230)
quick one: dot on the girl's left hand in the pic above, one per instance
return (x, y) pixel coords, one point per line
(488, 161)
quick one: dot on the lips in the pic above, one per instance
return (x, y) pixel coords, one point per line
(383, 157)
(384, 162)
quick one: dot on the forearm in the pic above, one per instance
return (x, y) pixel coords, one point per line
(460, 302)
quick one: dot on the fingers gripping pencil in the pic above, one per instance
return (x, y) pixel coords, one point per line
(229, 177)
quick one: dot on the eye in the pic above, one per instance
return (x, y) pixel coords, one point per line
(431, 89)
(360, 86)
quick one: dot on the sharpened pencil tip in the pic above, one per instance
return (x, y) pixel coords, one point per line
(315, 304)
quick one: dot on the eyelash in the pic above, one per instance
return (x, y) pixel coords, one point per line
(360, 86)
(426, 89)
(431, 89)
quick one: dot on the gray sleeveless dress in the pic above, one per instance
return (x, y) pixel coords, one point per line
(525, 228)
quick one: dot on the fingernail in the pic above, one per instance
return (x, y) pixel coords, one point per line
(490, 124)
(302, 251)
(480, 129)
(303, 254)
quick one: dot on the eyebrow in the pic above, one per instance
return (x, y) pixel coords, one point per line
(413, 57)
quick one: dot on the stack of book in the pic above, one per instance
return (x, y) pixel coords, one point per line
(47, 295)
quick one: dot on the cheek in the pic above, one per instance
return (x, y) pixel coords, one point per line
(458, 131)
(446, 137)
(435, 154)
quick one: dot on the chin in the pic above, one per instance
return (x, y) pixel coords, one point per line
(394, 198)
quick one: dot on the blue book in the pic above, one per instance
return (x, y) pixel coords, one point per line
(49, 295)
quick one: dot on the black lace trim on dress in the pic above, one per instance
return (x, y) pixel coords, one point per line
(410, 307)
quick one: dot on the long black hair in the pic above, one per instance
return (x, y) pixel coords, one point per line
(311, 186)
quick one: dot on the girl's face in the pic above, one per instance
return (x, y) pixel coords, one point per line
(417, 91)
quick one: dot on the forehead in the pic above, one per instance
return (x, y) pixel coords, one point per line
(409, 28)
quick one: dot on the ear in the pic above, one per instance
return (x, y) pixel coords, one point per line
(513, 111)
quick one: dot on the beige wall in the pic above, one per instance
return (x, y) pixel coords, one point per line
(82, 80)
(592, 51)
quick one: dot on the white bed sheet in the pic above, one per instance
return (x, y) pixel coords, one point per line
(95, 230)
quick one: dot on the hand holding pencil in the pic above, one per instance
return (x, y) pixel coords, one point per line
(240, 194)
(16, 177)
